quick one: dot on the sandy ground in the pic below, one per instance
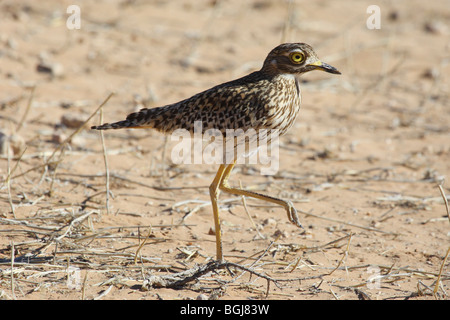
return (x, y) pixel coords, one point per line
(362, 164)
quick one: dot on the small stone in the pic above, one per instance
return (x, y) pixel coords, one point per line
(72, 120)
(280, 234)
(14, 144)
(55, 69)
(269, 221)
(46, 65)
(17, 144)
(436, 27)
(4, 144)
(58, 137)
(431, 73)
(394, 15)
(78, 141)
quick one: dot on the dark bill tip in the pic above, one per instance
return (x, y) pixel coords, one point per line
(325, 67)
(330, 69)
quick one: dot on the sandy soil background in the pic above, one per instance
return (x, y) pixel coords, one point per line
(363, 163)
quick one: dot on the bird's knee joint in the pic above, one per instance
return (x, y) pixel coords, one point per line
(288, 205)
(224, 185)
(214, 190)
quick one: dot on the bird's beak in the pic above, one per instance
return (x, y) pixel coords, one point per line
(324, 67)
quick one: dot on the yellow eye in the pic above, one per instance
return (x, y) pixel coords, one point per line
(297, 57)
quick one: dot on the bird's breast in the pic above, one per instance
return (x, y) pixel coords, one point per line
(284, 103)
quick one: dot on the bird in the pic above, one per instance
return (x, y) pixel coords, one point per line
(267, 99)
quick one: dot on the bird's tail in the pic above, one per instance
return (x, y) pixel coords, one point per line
(115, 125)
(145, 118)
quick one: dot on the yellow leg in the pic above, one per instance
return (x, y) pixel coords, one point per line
(291, 211)
(220, 182)
(214, 193)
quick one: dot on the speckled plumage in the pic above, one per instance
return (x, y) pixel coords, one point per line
(266, 99)
(254, 101)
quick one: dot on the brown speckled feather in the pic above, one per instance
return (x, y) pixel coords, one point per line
(248, 102)
(265, 99)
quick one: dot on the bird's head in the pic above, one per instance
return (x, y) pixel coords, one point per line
(295, 58)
